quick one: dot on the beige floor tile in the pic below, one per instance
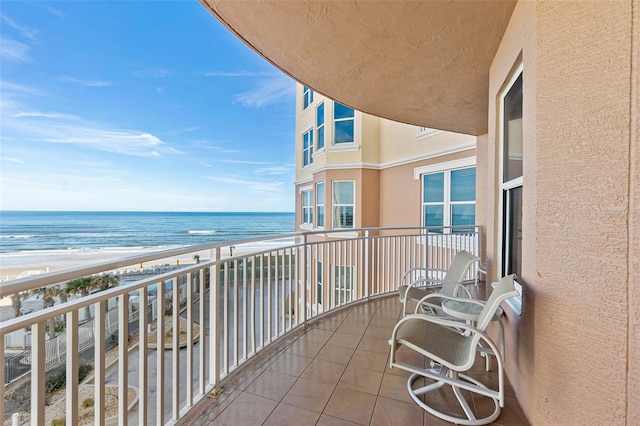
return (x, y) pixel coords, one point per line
(379, 332)
(350, 405)
(393, 412)
(305, 348)
(287, 415)
(272, 385)
(344, 340)
(291, 364)
(356, 329)
(333, 421)
(317, 335)
(374, 344)
(395, 387)
(246, 410)
(369, 360)
(324, 372)
(336, 354)
(360, 379)
(309, 395)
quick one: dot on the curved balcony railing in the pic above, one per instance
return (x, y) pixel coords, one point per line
(239, 298)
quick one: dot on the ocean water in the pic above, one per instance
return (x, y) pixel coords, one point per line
(22, 231)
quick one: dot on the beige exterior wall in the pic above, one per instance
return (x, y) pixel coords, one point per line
(381, 162)
(572, 356)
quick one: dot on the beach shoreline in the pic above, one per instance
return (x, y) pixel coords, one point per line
(30, 263)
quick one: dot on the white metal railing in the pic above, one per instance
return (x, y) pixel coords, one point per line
(227, 309)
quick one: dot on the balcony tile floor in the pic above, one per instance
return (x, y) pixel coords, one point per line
(334, 373)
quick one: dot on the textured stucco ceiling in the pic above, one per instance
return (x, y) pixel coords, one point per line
(419, 62)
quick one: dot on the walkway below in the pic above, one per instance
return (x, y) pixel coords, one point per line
(334, 373)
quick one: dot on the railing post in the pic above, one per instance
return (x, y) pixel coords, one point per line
(214, 324)
(305, 278)
(366, 264)
(2, 378)
(72, 363)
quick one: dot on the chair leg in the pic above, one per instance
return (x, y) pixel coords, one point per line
(464, 380)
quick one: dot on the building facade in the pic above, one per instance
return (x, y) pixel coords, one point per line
(354, 170)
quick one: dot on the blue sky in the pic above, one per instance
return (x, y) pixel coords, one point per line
(141, 106)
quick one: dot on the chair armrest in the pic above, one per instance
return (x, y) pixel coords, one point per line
(425, 278)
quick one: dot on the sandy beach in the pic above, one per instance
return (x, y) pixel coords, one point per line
(28, 263)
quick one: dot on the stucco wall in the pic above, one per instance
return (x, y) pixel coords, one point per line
(633, 404)
(571, 355)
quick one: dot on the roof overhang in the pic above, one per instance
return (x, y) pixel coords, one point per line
(419, 62)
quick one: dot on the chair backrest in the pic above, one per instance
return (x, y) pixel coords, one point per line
(459, 266)
(503, 290)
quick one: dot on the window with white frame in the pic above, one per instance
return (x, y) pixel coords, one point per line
(343, 284)
(343, 203)
(307, 96)
(320, 205)
(307, 148)
(320, 125)
(449, 199)
(343, 129)
(511, 180)
(307, 207)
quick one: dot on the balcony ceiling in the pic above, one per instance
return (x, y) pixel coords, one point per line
(419, 62)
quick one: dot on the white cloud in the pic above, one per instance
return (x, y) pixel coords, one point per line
(54, 11)
(12, 160)
(14, 88)
(239, 74)
(268, 91)
(243, 162)
(53, 115)
(90, 83)
(156, 73)
(24, 31)
(275, 170)
(253, 185)
(14, 51)
(23, 123)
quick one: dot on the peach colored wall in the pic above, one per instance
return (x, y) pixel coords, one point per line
(633, 405)
(369, 198)
(568, 354)
(400, 194)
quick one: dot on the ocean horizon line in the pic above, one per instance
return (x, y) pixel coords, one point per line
(146, 211)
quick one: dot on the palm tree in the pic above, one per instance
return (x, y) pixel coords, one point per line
(106, 281)
(81, 287)
(16, 302)
(48, 296)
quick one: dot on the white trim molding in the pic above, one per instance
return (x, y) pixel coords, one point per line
(344, 146)
(447, 165)
(427, 133)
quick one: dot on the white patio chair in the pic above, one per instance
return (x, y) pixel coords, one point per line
(453, 353)
(417, 283)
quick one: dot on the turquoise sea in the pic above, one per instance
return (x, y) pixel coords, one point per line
(46, 230)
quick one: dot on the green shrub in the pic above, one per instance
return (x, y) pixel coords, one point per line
(83, 371)
(56, 381)
(88, 402)
(58, 422)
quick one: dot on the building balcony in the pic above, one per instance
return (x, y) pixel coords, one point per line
(286, 330)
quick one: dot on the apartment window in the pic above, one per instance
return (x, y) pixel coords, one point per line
(320, 205)
(511, 179)
(320, 125)
(449, 199)
(343, 284)
(307, 96)
(307, 207)
(319, 283)
(307, 148)
(343, 118)
(343, 194)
